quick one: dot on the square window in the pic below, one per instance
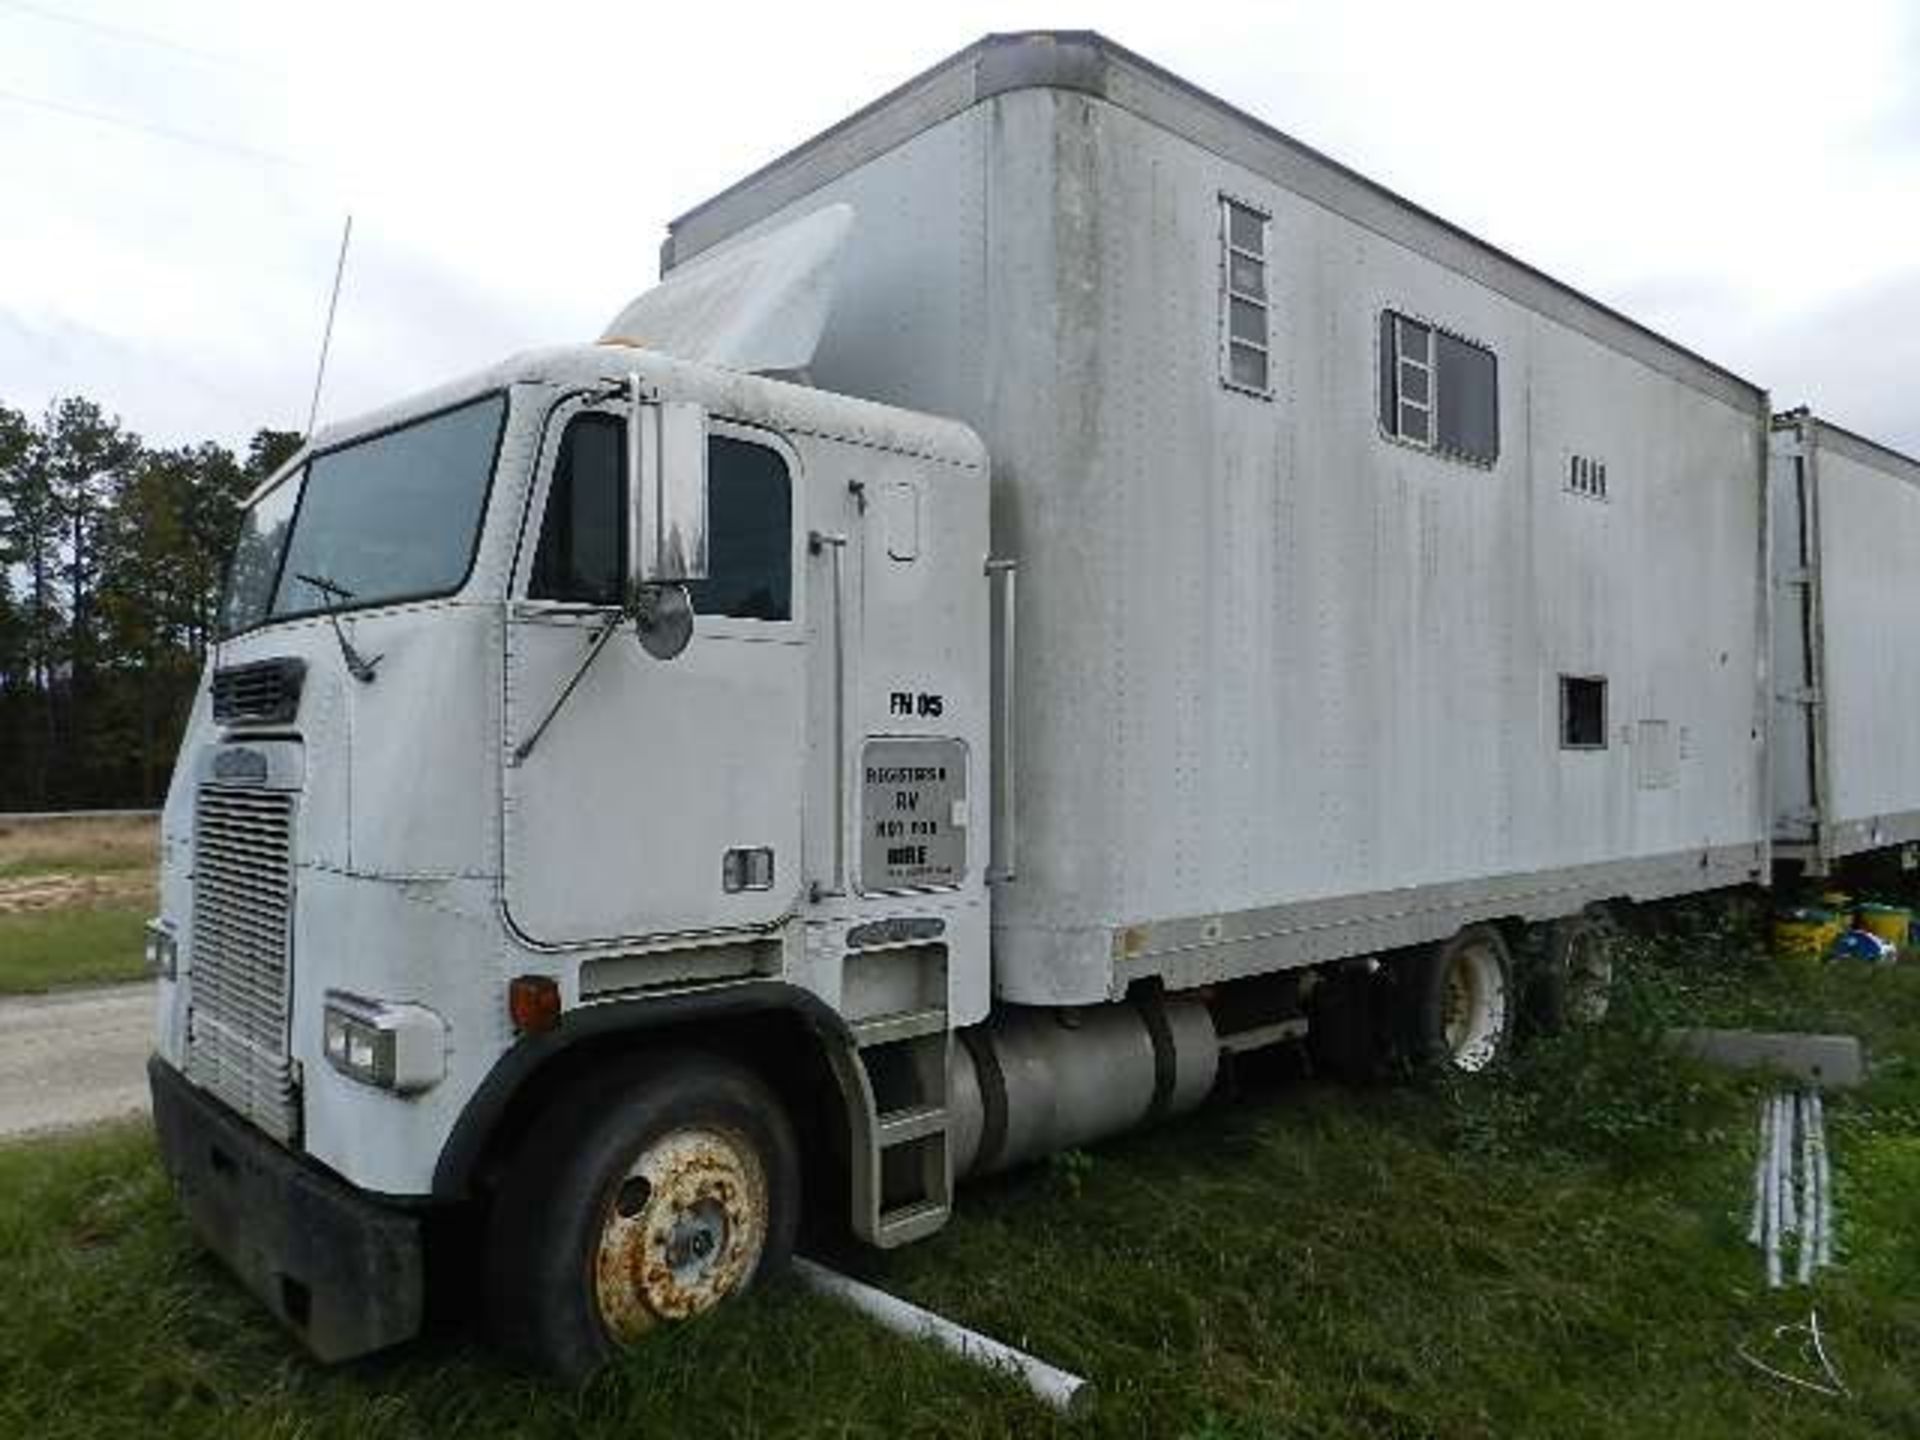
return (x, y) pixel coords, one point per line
(1583, 712)
(1414, 338)
(1246, 229)
(1247, 321)
(1246, 276)
(1438, 391)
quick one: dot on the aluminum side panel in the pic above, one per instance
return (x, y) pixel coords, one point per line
(1267, 653)
(1869, 536)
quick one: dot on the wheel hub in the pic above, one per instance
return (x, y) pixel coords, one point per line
(684, 1230)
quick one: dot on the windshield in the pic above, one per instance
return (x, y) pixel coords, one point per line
(394, 517)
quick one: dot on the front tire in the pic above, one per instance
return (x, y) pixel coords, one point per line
(643, 1199)
(1457, 1003)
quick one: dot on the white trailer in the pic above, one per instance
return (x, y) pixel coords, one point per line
(1380, 602)
(1845, 753)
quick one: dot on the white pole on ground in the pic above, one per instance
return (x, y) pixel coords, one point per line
(1825, 1253)
(1788, 1210)
(1757, 1225)
(1069, 1394)
(1809, 1204)
(1773, 1199)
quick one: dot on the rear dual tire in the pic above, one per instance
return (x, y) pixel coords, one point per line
(1442, 1009)
(1572, 985)
(1457, 1002)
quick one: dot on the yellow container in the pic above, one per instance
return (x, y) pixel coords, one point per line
(1805, 933)
(1891, 923)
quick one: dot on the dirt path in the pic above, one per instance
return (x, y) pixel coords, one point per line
(74, 1057)
(58, 890)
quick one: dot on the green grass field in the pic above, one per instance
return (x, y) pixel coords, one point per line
(42, 950)
(1554, 1251)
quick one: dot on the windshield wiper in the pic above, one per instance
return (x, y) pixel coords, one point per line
(358, 666)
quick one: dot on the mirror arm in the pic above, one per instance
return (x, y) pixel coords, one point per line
(607, 632)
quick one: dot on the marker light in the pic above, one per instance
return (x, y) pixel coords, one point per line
(163, 952)
(533, 1002)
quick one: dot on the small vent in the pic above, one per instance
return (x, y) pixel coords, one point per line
(266, 692)
(1587, 476)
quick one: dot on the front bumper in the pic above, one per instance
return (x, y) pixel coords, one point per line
(345, 1273)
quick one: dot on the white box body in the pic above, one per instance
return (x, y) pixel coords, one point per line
(1287, 689)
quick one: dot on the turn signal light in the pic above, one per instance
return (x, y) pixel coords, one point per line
(533, 1001)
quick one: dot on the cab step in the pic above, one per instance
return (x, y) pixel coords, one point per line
(910, 1223)
(899, 1025)
(914, 1122)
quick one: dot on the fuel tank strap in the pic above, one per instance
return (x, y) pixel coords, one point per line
(993, 1096)
(1166, 1065)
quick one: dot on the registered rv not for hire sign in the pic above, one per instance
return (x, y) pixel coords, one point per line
(914, 814)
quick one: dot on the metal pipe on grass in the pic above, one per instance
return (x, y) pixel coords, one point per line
(1809, 1208)
(1757, 1224)
(1069, 1394)
(1824, 1252)
(1773, 1198)
(1789, 1212)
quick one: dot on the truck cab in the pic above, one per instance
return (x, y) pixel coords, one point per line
(602, 710)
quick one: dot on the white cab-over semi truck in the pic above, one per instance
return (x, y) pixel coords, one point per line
(1060, 584)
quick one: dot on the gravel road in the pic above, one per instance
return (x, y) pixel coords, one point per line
(74, 1057)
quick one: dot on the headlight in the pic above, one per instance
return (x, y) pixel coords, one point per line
(397, 1047)
(163, 952)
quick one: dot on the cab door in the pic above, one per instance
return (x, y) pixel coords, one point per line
(663, 797)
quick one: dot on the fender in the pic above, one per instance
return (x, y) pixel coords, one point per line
(460, 1157)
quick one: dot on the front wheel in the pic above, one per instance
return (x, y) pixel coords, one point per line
(640, 1201)
(1457, 1002)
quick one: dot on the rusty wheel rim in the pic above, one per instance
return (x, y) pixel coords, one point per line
(684, 1228)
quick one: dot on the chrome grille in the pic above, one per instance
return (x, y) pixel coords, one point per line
(238, 968)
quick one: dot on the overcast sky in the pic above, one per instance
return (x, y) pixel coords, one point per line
(1744, 177)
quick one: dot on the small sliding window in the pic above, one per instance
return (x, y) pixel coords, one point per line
(1245, 361)
(1438, 391)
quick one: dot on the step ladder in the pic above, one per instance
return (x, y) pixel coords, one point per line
(904, 1191)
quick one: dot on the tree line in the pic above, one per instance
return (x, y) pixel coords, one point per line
(112, 554)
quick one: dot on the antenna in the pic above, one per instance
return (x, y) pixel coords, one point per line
(326, 338)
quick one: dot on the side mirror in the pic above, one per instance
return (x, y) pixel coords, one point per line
(667, 502)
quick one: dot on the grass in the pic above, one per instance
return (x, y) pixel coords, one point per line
(42, 950)
(1557, 1250)
(73, 897)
